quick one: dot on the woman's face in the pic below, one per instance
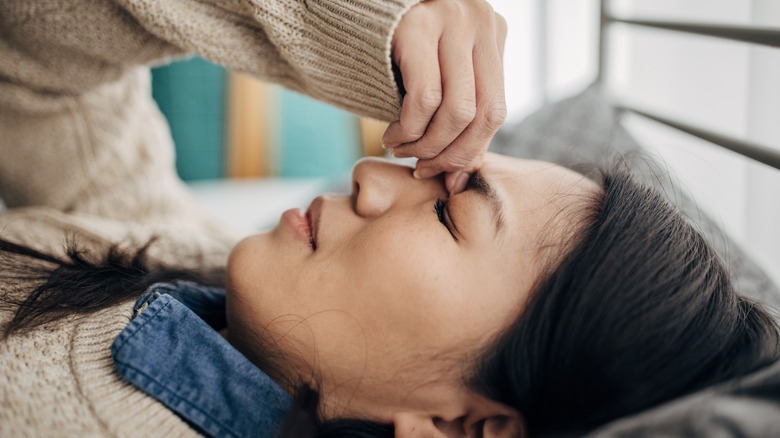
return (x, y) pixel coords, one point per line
(387, 303)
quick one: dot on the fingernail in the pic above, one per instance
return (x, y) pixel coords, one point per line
(425, 172)
(383, 146)
(459, 183)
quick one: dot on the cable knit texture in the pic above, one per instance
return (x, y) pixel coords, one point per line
(86, 153)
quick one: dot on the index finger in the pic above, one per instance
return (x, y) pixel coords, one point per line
(455, 182)
(422, 80)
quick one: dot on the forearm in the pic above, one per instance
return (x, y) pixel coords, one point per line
(334, 51)
(81, 132)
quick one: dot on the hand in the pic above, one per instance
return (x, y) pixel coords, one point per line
(450, 56)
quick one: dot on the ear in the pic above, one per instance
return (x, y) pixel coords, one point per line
(482, 422)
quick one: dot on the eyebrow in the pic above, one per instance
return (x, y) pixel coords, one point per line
(482, 187)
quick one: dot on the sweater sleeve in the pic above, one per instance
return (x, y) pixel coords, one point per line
(334, 51)
(337, 51)
(80, 130)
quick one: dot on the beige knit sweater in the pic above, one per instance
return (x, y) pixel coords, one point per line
(84, 151)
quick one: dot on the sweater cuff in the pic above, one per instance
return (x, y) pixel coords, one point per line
(346, 55)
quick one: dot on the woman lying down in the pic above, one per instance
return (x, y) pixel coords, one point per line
(502, 298)
(537, 302)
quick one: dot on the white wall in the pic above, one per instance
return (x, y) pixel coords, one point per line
(725, 86)
(570, 30)
(521, 74)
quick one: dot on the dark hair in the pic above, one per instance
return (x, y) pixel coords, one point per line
(80, 282)
(638, 311)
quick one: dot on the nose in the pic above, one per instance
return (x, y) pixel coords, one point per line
(379, 184)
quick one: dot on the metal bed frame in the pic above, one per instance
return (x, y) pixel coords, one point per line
(765, 36)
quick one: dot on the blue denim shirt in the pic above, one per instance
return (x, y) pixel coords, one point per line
(172, 352)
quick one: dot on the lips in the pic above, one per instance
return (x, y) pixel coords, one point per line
(313, 219)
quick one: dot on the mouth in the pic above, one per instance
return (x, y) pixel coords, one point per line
(313, 220)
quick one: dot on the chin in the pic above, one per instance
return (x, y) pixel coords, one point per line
(246, 261)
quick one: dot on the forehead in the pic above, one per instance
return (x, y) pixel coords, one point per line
(499, 167)
(534, 194)
(540, 202)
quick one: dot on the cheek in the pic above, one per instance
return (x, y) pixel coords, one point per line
(405, 285)
(443, 295)
(260, 280)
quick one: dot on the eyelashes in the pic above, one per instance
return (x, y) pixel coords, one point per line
(440, 207)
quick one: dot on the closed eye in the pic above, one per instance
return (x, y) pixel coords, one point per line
(440, 207)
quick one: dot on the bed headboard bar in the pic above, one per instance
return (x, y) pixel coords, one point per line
(767, 36)
(752, 150)
(749, 34)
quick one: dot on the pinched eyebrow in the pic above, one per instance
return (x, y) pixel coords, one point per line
(482, 187)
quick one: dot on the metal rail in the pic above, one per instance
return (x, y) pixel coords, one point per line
(603, 25)
(758, 152)
(767, 36)
(542, 59)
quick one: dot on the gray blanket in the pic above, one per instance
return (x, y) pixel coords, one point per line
(586, 129)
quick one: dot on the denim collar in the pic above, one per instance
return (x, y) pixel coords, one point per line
(172, 352)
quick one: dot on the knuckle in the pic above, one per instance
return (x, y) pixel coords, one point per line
(455, 158)
(411, 133)
(459, 161)
(417, 15)
(501, 23)
(441, 163)
(463, 112)
(472, 166)
(455, 9)
(485, 10)
(453, 162)
(426, 153)
(430, 98)
(495, 115)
